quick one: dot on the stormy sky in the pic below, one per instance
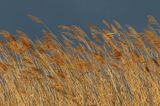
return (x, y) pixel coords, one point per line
(13, 13)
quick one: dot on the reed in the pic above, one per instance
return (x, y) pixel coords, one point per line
(124, 69)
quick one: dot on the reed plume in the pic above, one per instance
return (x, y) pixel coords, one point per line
(110, 66)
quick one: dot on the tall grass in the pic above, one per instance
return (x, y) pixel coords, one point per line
(113, 66)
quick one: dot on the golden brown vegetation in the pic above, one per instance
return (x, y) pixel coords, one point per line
(120, 67)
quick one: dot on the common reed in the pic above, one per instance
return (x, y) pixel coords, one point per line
(111, 66)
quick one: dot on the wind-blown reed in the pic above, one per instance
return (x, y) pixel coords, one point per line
(113, 66)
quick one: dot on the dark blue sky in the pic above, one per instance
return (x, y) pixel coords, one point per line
(13, 13)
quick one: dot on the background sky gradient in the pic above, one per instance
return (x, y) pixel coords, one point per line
(13, 13)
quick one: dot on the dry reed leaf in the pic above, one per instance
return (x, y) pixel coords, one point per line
(35, 19)
(117, 54)
(96, 37)
(51, 77)
(115, 31)
(3, 66)
(155, 61)
(8, 36)
(27, 44)
(81, 48)
(106, 23)
(62, 75)
(58, 59)
(118, 25)
(49, 41)
(99, 57)
(64, 27)
(147, 69)
(107, 35)
(152, 19)
(57, 86)
(2, 43)
(81, 79)
(117, 66)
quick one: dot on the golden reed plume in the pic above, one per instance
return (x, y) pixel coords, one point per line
(110, 66)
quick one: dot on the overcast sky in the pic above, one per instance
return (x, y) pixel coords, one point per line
(13, 13)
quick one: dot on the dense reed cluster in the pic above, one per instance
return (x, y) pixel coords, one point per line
(110, 66)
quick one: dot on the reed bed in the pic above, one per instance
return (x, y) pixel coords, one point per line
(110, 66)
